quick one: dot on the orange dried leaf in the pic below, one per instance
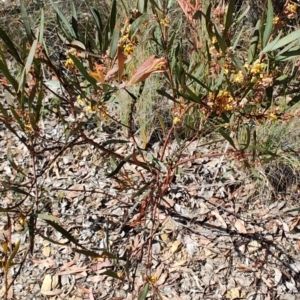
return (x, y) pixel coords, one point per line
(151, 65)
(98, 73)
(121, 63)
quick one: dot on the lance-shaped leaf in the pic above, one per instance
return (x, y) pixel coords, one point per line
(151, 65)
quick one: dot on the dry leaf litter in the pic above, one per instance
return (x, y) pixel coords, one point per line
(218, 237)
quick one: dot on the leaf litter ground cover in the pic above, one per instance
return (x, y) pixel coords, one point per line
(218, 238)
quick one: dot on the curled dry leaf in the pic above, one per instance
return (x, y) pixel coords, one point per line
(175, 246)
(151, 65)
(50, 282)
(240, 227)
(220, 219)
(162, 279)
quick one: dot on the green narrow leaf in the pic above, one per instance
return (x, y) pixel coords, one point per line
(20, 191)
(171, 41)
(74, 19)
(199, 82)
(229, 16)
(227, 137)
(30, 57)
(193, 96)
(26, 22)
(120, 165)
(144, 292)
(41, 32)
(38, 106)
(113, 16)
(17, 117)
(12, 162)
(290, 47)
(292, 54)
(136, 25)
(165, 94)
(63, 19)
(83, 70)
(162, 123)
(112, 274)
(64, 232)
(219, 80)
(282, 42)
(294, 209)
(110, 255)
(237, 40)
(13, 254)
(10, 46)
(142, 6)
(8, 210)
(113, 141)
(208, 22)
(6, 73)
(97, 19)
(141, 190)
(114, 43)
(254, 43)
(243, 14)
(248, 138)
(48, 217)
(51, 240)
(28, 64)
(3, 111)
(269, 24)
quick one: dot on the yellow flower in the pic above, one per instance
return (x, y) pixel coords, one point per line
(28, 128)
(121, 275)
(103, 110)
(89, 109)
(228, 107)
(153, 279)
(165, 22)
(272, 117)
(69, 63)
(276, 20)
(257, 67)
(239, 77)
(247, 66)
(176, 121)
(292, 8)
(128, 49)
(79, 100)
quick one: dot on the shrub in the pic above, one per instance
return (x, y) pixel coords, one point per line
(206, 79)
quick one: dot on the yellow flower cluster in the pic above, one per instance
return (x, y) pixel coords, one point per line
(128, 49)
(257, 68)
(91, 107)
(272, 117)
(222, 102)
(153, 279)
(276, 20)
(165, 22)
(86, 105)
(292, 8)
(125, 43)
(69, 63)
(239, 77)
